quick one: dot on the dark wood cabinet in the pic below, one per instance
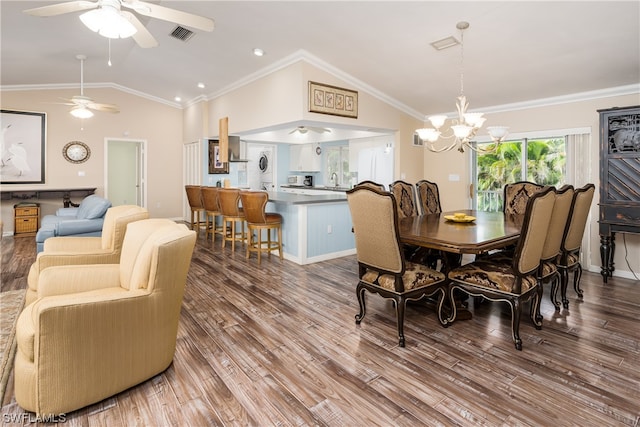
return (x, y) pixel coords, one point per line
(619, 179)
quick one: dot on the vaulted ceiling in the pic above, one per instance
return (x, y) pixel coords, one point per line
(514, 51)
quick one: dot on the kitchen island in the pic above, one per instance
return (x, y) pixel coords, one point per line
(316, 227)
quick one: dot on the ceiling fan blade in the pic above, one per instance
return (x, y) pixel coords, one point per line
(171, 15)
(143, 37)
(107, 108)
(318, 130)
(61, 8)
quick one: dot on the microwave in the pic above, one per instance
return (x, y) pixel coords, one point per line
(295, 180)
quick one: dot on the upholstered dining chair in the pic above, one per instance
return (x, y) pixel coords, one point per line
(211, 206)
(194, 197)
(370, 183)
(382, 268)
(513, 279)
(100, 329)
(548, 271)
(572, 241)
(405, 197)
(232, 213)
(69, 250)
(428, 197)
(254, 206)
(516, 195)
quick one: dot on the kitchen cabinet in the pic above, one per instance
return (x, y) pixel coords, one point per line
(303, 158)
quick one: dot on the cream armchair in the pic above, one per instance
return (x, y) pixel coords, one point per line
(69, 250)
(99, 329)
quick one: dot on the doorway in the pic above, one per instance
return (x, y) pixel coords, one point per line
(126, 172)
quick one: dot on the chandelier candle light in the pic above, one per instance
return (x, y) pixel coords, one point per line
(466, 126)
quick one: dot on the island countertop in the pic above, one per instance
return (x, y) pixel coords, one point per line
(305, 199)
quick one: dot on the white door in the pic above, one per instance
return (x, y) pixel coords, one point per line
(126, 172)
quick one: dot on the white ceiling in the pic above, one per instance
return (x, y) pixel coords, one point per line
(515, 51)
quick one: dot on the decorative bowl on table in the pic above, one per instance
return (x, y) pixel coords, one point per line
(460, 217)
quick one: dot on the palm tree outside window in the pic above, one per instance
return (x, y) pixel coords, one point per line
(539, 160)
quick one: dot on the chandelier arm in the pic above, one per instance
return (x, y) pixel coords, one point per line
(429, 146)
(482, 150)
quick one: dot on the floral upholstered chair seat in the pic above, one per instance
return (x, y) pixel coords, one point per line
(415, 276)
(494, 272)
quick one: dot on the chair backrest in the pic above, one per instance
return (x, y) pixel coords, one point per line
(368, 183)
(405, 198)
(374, 216)
(115, 224)
(428, 196)
(194, 196)
(516, 195)
(535, 225)
(561, 208)
(92, 207)
(134, 273)
(578, 215)
(210, 199)
(253, 206)
(229, 201)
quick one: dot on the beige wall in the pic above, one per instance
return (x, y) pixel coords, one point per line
(582, 114)
(160, 125)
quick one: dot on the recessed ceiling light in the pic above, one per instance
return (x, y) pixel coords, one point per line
(177, 99)
(258, 52)
(201, 85)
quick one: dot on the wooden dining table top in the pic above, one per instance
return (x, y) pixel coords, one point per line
(490, 230)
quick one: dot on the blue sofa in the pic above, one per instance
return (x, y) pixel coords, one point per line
(85, 220)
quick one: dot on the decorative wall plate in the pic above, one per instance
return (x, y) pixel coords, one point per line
(76, 152)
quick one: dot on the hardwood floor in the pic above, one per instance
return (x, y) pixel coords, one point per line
(278, 345)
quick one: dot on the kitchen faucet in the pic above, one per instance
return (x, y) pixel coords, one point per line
(334, 178)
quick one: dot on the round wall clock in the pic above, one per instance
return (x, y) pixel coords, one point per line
(76, 152)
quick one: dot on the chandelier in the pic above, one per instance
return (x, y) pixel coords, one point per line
(465, 127)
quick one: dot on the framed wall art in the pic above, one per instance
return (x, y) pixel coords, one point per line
(23, 147)
(337, 101)
(215, 165)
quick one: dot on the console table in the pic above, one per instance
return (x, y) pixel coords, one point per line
(64, 194)
(619, 179)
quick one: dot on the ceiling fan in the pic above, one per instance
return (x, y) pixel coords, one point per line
(304, 129)
(81, 104)
(107, 18)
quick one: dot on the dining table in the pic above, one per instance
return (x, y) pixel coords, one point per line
(476, 233)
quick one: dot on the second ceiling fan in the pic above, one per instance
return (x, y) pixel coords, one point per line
(107, 18)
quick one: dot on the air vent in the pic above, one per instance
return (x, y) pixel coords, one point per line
(182, 33)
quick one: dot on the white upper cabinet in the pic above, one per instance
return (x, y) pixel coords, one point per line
(303, 158)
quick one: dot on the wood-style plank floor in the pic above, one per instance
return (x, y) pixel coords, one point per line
(277, 344)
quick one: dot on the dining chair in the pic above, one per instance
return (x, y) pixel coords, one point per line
(516, 195)
(512, 279)
(548, 272)
(428, 197)
(382, 268)
(254, 206)
(211, 212)
(405, 198)
(232, 213)
(429, 202)
(572, 241)
(194, 197)
(371, 184)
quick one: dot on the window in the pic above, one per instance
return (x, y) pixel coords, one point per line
(338, 163)
(540, 160)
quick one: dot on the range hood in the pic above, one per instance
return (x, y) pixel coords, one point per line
(237, 149)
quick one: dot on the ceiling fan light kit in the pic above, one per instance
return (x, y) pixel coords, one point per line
(108, 22)
(81, 112)
(465, 127)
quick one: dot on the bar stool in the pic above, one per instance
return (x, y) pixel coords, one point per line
(211, 211)
(194, 196)
(253, 204)
(228, 199)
